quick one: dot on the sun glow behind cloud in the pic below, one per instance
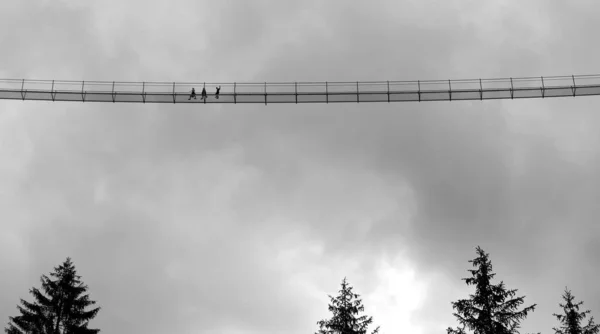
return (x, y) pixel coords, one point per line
(397, 295)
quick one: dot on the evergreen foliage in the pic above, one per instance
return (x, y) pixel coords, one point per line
(61, 310)
(492, 309)
(571, 320)
(345, 308)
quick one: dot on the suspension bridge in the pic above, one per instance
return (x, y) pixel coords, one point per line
(301, 92)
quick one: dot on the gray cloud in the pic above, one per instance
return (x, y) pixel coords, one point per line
(177, 217)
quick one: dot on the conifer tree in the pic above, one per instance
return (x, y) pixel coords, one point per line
(62, 311)
(572, 318)
(492, 309)
(345, 308)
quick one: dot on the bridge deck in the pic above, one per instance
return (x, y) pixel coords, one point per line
(301, 92)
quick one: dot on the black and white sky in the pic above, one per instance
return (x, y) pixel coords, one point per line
(240, 219)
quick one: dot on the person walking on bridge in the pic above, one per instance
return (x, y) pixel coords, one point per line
(193, 94)
(203, 94)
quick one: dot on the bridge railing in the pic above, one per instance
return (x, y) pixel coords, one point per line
(289, 92)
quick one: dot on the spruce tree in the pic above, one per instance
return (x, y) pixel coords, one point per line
(345, 308)
(572, 318)
(62, 311)
(492, 309)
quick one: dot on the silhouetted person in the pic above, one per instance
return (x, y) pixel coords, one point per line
(203, 93)
(217, 93)
(193, 94)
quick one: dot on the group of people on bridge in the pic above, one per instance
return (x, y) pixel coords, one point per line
(203, 96)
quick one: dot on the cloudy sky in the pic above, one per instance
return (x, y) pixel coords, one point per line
(241, 219)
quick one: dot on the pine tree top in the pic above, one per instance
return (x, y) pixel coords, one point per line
(345, 308)
(571, 319)
(493, 308)
(60, 309)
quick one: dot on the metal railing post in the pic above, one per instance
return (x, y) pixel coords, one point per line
(114, 95)
(52, 92)
(357, 93)
(512, 89)
(144, 91)
(574, 85)
(543, 88)
(419, 91)
(22, 90)
(296, 85)
(265, 93)
(388, 91)
(234, 93)
(326, 92)
(480, 90)
(450, 89)
(173, 92)
(82, 94)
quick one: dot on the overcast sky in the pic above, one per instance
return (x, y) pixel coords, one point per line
(240, 219)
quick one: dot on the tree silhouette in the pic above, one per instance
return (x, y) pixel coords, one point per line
(63, 312)
(345, 307)
(491, 310)
(572, 318)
